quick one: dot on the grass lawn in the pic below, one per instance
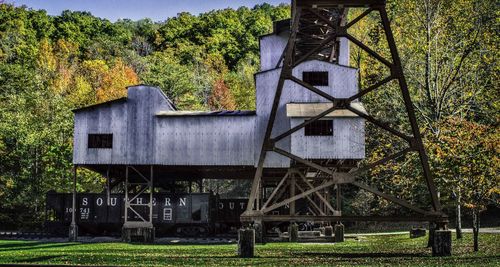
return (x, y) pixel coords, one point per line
(370, 250)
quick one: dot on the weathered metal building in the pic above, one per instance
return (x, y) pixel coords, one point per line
(145, 128)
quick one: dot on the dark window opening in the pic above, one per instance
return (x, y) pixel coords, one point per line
(319, 128)
(315, 78)
(100, 141)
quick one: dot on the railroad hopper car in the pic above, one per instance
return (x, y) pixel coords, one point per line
(193, 214)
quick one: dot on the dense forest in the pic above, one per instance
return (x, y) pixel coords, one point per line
(50, 65)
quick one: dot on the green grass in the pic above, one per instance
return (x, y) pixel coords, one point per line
(371, 250)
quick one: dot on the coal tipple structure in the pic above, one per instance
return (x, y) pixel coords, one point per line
(303, 141)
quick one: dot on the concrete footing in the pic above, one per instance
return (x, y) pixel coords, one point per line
(441, 245)
(246, 243)
(73, 233)
(339, 232)
(328, 231)
(417, 232)
(138, 235)
(293, 232)
(259, 232)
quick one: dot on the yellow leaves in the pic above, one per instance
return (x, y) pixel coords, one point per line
(115, 81)
(82, 93)
(46, 60)
(65, 49)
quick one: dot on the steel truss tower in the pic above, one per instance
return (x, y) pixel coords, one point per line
(315, 28)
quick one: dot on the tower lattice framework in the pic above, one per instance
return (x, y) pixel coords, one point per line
(315, 28)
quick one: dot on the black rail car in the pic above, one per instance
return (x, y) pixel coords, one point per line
(187, 214)
(173, 214)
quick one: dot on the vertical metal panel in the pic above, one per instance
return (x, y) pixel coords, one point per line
(204, 140)
(271, 48)
(344, 52)
(105, 119)
(347, 141)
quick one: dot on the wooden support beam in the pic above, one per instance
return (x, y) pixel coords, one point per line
(390, 198)
(371, 88)
(380, 124)
(312, 88)
(293, 182)
(369, 50)
(318, 209)
(333, 218)
(318, 194)
(359, 171)
(299, 196)
(276, 189)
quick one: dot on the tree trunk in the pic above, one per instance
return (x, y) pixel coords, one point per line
(459, 218)
(475, 228)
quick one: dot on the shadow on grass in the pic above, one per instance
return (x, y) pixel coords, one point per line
(23, 244)
(180, 244)
(36, 259)
(36, 245)
(361, 255)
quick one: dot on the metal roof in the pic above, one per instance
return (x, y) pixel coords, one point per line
(118, 100)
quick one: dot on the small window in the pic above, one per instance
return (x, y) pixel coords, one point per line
(100, 141)
(319, 128)
(315, 78)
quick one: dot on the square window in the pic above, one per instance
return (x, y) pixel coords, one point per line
(100, 141)
(319, 128)
(315, 78)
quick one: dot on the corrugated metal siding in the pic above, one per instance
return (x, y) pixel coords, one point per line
(347, 142)
(205, 140)
(105, 119)
(141, 137)
(271, 48)
(342, 83)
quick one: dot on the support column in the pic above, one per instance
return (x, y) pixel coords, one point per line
(339, 232)
(442, 243)
(339, 227)
(108, 187)
(293, 232)
(246, 242)
(441, 240)
(328, 231)
(292, 193)
(432, 229)
(258, 226)
(73, 228)
(139, 229)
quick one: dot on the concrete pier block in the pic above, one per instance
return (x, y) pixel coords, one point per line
(328, 231)
(138, 235)
(246, 242)
(73, 233)
(293, 232)
(417, 232)
(339, 232)
(441, 243)
(259, 231)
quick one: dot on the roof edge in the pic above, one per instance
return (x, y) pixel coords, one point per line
(118, 100)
